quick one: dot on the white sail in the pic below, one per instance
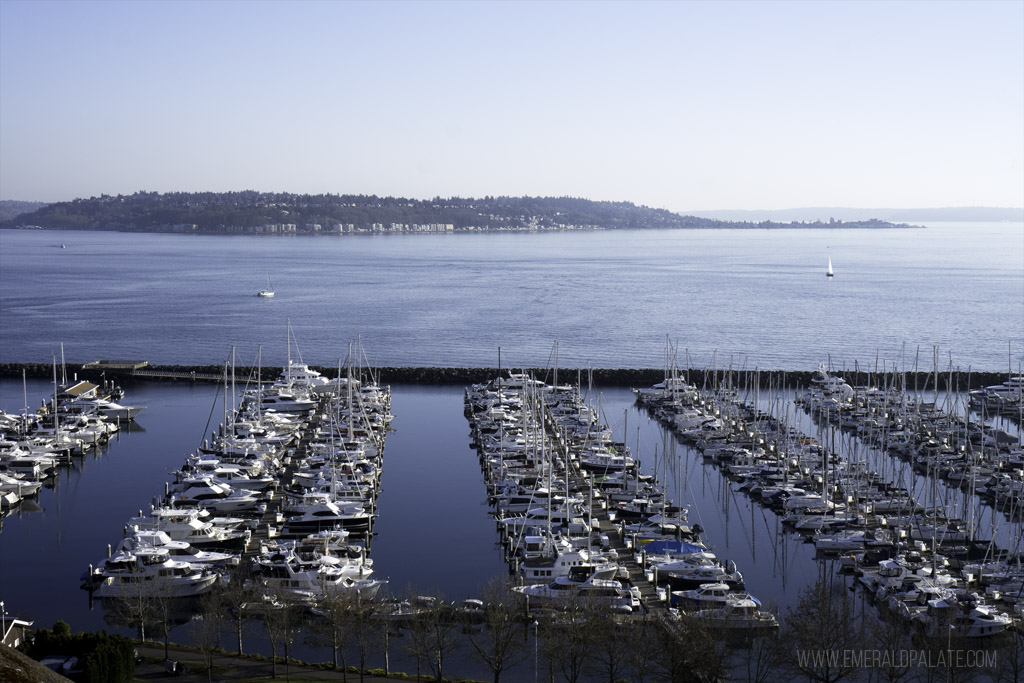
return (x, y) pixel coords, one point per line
(269, 291)
(829, 272)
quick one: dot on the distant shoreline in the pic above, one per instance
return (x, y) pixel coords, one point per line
(251, 212)
(767, 225)
(608, 377)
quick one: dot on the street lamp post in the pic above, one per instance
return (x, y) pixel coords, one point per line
(536, 651)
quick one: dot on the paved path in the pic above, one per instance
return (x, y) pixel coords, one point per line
(229, 668)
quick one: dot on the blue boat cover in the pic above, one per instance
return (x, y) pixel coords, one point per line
(658, 547)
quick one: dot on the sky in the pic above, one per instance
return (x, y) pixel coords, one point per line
(678, 105)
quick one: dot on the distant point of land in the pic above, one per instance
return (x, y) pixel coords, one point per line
(983, 214)
(251, 212)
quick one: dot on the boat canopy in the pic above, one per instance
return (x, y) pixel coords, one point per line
(680, 547)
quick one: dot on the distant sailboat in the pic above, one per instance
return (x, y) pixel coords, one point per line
(269, 291)
(829, 272)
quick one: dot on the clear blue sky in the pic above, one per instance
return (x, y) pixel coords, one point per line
(681, 105)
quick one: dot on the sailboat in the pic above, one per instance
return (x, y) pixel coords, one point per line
(269, 291)
(828, 273)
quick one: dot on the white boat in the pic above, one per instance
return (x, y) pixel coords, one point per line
(180, 551)
(946, 616)
(282, 570)
(101, 406)
(842, 541)
(684, 574)
(566, 562)
(318, 512)
(708, 596)
(738, 613)
(189, 525)
(21, 487)
(212, 495)
(829, 272)
(269, 291)
(148, 572)
(564, 591)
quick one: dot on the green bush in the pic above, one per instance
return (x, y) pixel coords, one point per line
(105, 658)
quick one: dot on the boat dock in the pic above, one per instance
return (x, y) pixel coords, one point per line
(572, 509)
(849, 505)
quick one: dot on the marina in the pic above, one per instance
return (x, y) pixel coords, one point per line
(731, 532)
(673, 520)
(858, 510)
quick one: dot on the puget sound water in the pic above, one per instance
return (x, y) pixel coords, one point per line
(749, 298)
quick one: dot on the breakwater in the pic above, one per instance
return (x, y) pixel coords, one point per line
(618, 377)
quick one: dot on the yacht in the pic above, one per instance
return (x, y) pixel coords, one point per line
(148, 572)
(282, 570)
(212, 495)
(189, 525)
(708, 596)
(564, 591)
(180, 551)
(738, 613)
(945, 616)
(317, 512)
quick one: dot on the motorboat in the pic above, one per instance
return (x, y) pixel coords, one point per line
(708, 596)
(564, 591)
(946, 616)
(207, 493)
(688, 575)
(317, 512)
(283, 571)
(181, 551)
(738, 613)
(148, 572)
(189, 525)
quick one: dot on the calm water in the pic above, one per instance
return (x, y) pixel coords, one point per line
(749, 297)
(434, 532)
(610, 299)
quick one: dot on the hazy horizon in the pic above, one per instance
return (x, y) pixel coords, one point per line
(760, 106)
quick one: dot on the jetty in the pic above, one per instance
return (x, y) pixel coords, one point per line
(578, 520)
(281, 497)
(126, 372)
(914, 556)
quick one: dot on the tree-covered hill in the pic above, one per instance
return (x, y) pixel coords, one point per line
(251, 211)
(10, 209)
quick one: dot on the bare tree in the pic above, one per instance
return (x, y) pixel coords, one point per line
(762, 658)
(163, 606)
(281, 622)
(644, 645)
(499, 645)
(238, 596)
(418, 643)
(442, 634)
(569, 639)
(332, 623)
(611, 651)
(818, 632)
(134, 606)
(362, 624)
(381, 610)
(889, 632)
(1006, 661)
(691, 651)
(206, 631)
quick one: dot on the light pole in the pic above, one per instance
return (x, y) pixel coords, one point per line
(536, 651)
(3, 623)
